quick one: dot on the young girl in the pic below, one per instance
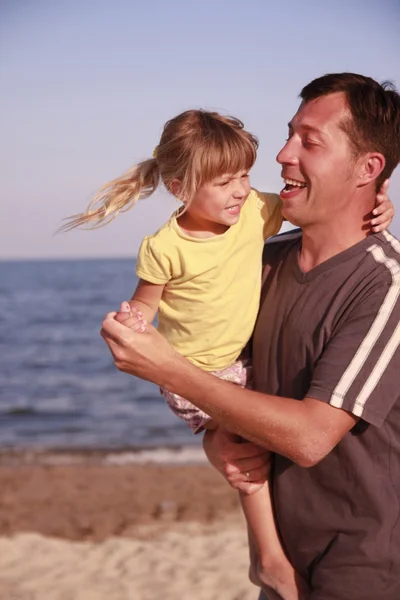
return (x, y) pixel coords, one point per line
(201, 272)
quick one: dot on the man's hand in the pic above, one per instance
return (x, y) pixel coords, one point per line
(245, 465)
(146, 354)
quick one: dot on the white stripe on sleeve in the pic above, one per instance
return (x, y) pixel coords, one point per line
(377, 372)
(392, 240)
(369, 341)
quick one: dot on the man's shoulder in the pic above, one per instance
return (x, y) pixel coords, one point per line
(389, 244)
(285, 237)
(281, 244)
(383, 252)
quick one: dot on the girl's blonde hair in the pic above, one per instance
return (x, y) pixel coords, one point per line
(195, 147)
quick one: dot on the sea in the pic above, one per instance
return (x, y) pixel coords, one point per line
(59, 387)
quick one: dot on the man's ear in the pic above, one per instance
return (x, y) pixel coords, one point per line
(175, 188)
(371, 166)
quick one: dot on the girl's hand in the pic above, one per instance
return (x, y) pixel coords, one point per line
(383, 211)
(137, 322)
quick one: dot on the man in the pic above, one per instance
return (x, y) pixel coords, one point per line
(326, 397)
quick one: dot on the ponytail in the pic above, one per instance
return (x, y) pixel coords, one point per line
(118, 195)
(195, 147)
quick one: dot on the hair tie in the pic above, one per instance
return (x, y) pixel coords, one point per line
(155, 151)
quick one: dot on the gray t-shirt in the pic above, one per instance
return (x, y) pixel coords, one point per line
(333, 334)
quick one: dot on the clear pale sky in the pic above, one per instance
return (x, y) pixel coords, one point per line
(87, 85)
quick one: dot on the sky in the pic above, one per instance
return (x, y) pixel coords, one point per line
(87, 85)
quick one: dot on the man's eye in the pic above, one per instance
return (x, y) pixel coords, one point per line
(309, 142)
(223, 183)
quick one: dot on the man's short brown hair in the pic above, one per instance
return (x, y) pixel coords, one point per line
(375, 111)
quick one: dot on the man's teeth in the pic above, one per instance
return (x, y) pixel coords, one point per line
(293, 182)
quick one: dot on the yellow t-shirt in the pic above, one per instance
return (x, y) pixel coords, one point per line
(212, 286)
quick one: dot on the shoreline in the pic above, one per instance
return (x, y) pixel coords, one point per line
(166, 454)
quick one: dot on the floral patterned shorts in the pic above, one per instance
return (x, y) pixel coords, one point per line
(238, 373)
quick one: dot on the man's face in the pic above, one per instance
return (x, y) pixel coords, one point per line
(318, 165)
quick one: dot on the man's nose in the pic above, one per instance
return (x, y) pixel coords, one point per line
(287, 155)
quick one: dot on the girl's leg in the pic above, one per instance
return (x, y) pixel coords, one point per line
(195, 418)
(269, 568)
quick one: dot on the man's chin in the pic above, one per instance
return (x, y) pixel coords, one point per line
(291, 217)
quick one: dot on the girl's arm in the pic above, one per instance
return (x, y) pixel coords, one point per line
(146, 299)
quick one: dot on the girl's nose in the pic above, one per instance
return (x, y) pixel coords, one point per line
(241, 189)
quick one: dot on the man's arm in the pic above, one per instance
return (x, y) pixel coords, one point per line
(304, 431)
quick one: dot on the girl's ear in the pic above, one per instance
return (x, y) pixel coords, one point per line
(175, 188)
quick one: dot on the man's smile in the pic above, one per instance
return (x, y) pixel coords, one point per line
(292, 187)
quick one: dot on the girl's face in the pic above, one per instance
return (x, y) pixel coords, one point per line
(217, 204)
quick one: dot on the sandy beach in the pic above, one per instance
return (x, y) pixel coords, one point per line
(87, 527)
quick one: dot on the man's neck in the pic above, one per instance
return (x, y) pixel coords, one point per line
(320, 243)
(345, 228)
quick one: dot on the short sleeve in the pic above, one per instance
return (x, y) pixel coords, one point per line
(270, 206)
(358, 369)
(152, 264)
